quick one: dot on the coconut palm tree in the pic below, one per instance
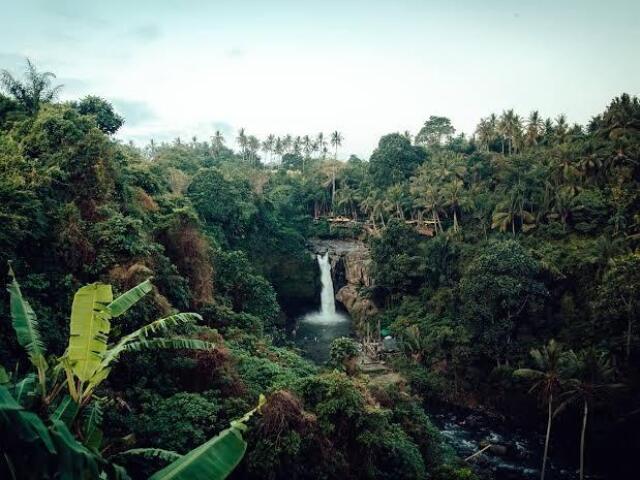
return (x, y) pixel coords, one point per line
(561, 129)
(336, 141)
(297, 145)
(307, 148)
(278, 148)
(268, 144)
(242, 141)
(485, 133)
(217, 141)
(321, 144)
(347, 197)
(33, 91)
(551, 364)
(592, 380)
(427, 194)
(287, 142)
(394, 201)
(453, 194)
(535, 126)
(253, 146)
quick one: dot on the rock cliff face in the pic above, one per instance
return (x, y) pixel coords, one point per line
(350, 268)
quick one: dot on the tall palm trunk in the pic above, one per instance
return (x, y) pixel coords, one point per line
(333, 180)
(582, 435)
(546, 440)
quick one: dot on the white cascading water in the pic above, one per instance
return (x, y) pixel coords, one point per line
(316, 330)
(327, 300)
(327, 314)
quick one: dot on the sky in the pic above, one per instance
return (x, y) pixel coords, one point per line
(365, 68)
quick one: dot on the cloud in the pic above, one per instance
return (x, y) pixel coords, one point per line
(133, 111)
(13, 62)
(224, 127)
(146, 33)
(73, 87)
(235, 52)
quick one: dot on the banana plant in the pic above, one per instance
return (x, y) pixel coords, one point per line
(25, 324)
(89, 356)
(35, 448)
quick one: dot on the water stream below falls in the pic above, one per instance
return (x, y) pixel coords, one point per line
(315, 330)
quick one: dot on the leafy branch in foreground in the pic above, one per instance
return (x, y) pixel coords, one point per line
(88, 359)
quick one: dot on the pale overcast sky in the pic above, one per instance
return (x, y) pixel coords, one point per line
(365, 68)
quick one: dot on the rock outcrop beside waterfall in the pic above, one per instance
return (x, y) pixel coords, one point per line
(351, 271)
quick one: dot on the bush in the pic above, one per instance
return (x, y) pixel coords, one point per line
(342, 353)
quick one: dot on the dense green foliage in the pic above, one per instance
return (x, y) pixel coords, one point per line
(220, 233)
(483, 250)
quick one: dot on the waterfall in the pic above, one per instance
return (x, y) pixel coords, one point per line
(327, 300)
(316, 330)
(327, 315)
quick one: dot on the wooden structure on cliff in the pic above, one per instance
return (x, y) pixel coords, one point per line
(426, 228)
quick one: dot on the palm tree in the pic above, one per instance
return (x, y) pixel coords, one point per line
(297, 145)
(268, 144)
(346, 197)
(485, 133)
(33, 91)
(242, 142)
(287, 142)
(503, 129)
(321, 144)
(394, 200)
(336, 141)
(534, 128)
(427, 194)
(453, 193)
(278, 148)
(307, 148)
(591, 382)
(217, 141)
(561, 128)
(253, 146)
(548, 377)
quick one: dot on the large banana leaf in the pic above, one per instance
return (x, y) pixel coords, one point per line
(89, 329)
(128, 299)
(169, 343)
(151, 454)
(213, 460)
(25, 325)
(24, 425)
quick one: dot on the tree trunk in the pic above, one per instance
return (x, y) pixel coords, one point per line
(546, 440)
(582, 435)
